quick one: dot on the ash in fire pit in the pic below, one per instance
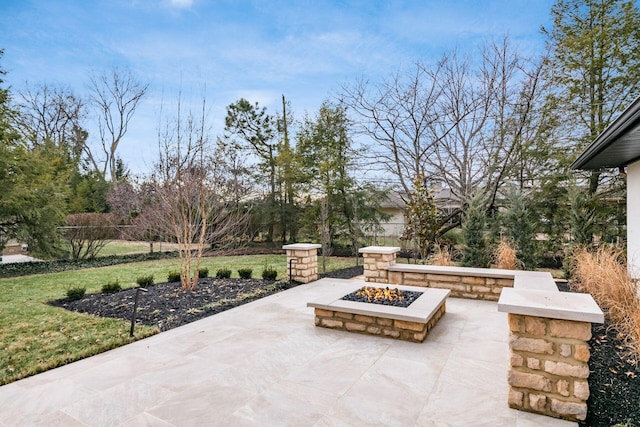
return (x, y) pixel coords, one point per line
(384, 296)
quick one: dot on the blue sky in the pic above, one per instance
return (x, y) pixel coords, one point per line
(227, 49)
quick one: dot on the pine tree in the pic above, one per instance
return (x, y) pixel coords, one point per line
(476, 248)
(519, 226)
(424, 220)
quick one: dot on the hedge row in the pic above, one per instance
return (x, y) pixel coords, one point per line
(41, 267)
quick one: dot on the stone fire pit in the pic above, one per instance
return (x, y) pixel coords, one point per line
(412, 323)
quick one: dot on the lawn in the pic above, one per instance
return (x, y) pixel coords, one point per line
(35, 337)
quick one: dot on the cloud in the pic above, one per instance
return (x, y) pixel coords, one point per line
(180, 4)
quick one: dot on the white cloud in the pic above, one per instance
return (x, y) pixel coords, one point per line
(181, 4)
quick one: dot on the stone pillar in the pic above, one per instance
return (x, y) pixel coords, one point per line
(549, 366)
(304, 261)
(377, 260)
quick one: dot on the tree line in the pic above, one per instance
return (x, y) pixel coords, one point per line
(495, 126)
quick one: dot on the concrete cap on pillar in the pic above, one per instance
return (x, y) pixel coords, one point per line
(379, 250)
(302, 246)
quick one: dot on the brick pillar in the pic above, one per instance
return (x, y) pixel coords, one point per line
(304, 268)
(549, 366)
(377, 260)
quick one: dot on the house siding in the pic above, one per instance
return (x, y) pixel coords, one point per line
(633, 213)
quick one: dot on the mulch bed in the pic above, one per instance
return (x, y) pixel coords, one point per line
(614, 380)
(167, 306)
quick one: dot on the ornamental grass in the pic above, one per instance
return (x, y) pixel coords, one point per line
(604, 275)
(504, 256)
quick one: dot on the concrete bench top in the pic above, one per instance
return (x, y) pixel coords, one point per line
(535, 280)
(555, 305)
(454, 271)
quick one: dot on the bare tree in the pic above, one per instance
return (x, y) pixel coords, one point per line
(116, 95)
(461, 124)
(399, 115)
(53, 115)
(192, 197)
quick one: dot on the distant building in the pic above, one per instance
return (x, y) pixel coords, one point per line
(395, 206)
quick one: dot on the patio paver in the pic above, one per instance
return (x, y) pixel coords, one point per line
(265, 363)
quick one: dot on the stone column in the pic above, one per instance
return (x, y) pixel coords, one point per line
(303, 258)
(549, 366)
(377, 260)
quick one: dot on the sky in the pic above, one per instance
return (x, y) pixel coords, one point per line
(222, 50)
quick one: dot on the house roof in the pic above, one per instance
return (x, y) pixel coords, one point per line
(395, 199)
(617, 146)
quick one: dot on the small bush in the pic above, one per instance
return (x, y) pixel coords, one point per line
(223, 273)
(111, 287)
(143, 281)
(245, 273)
(203, 273)
(76, 293)
(173, 276)
(269, 273)
(504, 257)
(442, 256)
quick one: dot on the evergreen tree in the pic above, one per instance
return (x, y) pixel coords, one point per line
(34, 186)
(424, 221)
(476, 249)
(326, 153)
(595, 66)
(519, 227)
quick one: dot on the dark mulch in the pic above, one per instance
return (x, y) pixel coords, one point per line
(614, 380)
(167, 306)
(345, 273)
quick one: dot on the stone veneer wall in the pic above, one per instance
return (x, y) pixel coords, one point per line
(304, 268)
(377, 260)
(461, 286)
(549, 366)
(380, 267)
(372, 325)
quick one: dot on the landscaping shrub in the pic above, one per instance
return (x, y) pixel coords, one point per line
(519, 225)
(76, 293)
(111, 287)
(173, 276)
(245, 273)
(476, 251)
(441, 256)
(269, 273)
(604, 275)
(144, 281)
(504, 256)
(223, 273)
(203, 273)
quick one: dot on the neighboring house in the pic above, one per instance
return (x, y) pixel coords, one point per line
(619, 147)
(395, 206)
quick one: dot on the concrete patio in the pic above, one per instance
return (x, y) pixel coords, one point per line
(265, 363)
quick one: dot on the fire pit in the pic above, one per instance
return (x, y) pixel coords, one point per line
(351, 305)
(384, 296)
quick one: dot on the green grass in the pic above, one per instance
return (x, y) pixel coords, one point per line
(35, 337)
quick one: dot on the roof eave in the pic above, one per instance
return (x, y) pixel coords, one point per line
(623, 123)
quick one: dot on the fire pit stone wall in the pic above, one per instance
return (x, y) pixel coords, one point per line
(411, 323)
